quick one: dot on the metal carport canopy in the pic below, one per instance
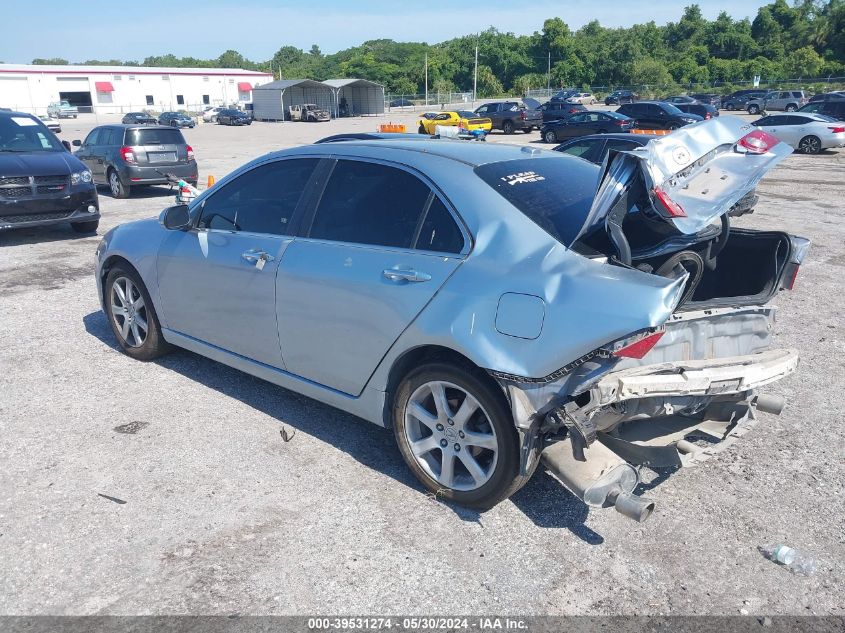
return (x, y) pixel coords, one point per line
(365, 96)
(270, 101)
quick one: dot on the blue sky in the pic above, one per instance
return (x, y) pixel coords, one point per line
(257, 28)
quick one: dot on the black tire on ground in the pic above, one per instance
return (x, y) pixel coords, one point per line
(507, 127)
(174, 124)
(753, 109)
(549, 136)
(154, 344)
(791, 108)
(505, 478)
(86, 227)
(729, 107)
(117, 188)
(810, 145)
(422, 130)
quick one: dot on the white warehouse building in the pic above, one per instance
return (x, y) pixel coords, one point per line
(119, 89)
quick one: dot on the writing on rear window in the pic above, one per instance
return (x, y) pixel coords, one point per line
(523, 177)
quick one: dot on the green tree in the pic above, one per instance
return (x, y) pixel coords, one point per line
(804, 62)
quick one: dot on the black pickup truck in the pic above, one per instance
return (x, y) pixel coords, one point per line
(510, 116)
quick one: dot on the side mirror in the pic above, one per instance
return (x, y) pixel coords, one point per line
(66, 145)
(76, 142)
(175, 218)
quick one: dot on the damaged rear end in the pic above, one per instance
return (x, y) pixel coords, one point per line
(677, 393)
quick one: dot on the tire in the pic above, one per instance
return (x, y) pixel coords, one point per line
(85, 227)
(148, 345)
(729, 107)
(753, 109)
(422, 130)
(494, 460)
(550, 137)
(174, 124)
(117, 188)
(507, 127)
(792, 108)
(810, 145)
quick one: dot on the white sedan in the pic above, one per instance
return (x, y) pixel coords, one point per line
(52, 124)
(210, 114)
(806, 132)
(584, 98)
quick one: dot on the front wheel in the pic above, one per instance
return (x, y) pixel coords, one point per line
(85, 227)
(549, 137)
(810, 145)
(131, 315)
(457, 435)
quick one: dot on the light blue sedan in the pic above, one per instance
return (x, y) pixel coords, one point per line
(496, 306)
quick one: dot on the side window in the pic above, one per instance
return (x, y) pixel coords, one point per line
(93, 137)
(583, 149)
(578, 118)
(620, 146)
(766, 120)
(368, 203)
(112, 138)
(439, 231)
(483, 110)
(777, 120)
(261, 200)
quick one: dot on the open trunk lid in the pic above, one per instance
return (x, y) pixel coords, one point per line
(693, 175)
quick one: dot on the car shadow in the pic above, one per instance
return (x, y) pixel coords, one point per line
(543, 499)
(41, 234)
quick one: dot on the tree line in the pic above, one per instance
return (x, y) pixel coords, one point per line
(783, 42)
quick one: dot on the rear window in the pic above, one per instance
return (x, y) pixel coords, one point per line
(154, 137)
(555, 193)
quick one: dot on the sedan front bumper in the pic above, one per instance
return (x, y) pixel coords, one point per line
(43, 211)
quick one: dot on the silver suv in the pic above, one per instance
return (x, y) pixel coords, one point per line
(786, 100)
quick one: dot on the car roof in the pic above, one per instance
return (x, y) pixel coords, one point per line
(471, 153)
(11, 113)
(642, 139)
(133, 126)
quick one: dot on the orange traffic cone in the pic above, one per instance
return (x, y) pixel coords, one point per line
(210, 183)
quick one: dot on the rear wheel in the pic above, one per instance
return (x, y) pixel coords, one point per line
(507, 127)
(810, 145)
(791, 108)
(118, 189)
(85, 227)
(753, 109)
(549, 137)
(457, 435)
(131, 315)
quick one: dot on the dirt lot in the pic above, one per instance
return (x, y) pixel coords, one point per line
(213, 513)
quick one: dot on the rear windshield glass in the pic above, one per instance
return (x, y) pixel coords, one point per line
(555, 192)
(154, 137)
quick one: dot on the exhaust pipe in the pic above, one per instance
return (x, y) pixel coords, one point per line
(768, 403)
(603, 480)
(632, 506)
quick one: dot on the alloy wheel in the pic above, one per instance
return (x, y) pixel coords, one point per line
(114, 184)
(810, 145)
(129, 311)
(450, 436)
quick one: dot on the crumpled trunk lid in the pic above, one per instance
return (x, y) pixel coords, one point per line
(700, 168)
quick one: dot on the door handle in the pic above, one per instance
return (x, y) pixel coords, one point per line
(253, 256)
(395, 274)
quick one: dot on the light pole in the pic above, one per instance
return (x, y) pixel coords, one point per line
(475, 75)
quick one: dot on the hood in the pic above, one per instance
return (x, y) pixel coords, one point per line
(693, 175)
(38, 164)
(531, 104)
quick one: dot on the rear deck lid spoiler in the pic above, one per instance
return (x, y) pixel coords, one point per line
(694, 175)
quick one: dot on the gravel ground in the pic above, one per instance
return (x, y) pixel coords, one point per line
(165, 487)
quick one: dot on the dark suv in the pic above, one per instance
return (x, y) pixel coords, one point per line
(41, 182)
(657, 115)
(833, 108)
(509, 116)
(618, 97)
(738, 100)
(125, 156)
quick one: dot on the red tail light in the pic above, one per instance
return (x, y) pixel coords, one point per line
(639, 348)
(190, 152)
(758, 142)
(837, 130)
(127, 154)
(619, 122)
(706, 115)
(522, 114)
(673, 208)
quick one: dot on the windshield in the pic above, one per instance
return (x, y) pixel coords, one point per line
(465, 114)
(154, 137)
(555, 192)
(671, 109)
(26, 134)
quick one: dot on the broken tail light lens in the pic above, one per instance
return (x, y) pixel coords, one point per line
(672, 208)
(640, 347)
(758, 142)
